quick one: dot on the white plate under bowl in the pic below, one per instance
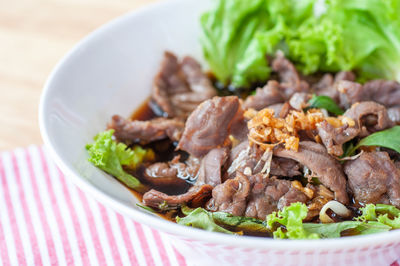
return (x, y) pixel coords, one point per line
(111, 72)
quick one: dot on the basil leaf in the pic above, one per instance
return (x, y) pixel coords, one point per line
(325, 102)
(389, 138)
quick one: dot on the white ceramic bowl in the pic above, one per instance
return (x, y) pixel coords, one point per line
(111, 72)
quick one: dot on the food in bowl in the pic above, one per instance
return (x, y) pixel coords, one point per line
(300, 157)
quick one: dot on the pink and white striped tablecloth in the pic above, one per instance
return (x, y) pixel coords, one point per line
(46, 220)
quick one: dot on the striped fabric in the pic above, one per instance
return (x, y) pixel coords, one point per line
(45, 220)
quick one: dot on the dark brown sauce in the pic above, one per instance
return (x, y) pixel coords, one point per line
(143, 112)
(165, 151)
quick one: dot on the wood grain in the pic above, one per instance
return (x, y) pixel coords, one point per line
(34, 35)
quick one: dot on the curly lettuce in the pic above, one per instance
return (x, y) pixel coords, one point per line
(359, 35)
(288, 222)
(228, 40)
(291, 218)
(110, 156)
(237, 35)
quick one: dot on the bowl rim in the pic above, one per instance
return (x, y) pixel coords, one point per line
(158, 223)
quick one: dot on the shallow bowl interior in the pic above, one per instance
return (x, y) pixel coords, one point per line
(111, 72)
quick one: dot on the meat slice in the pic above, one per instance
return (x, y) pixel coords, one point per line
(254, 195)
(195, 77)
(386, 92)
(196, 196)
(210, 171)
(369, 117)
(333, 138)
(325, 167)
(268, 95)
(345, 75)
(144, 132)
(289, 77)
(349, 93)
(210, 125)
(173, 173)
(265, 195)
(394, 114)
(284, 167)
(326, 86)
(243, 156)
(270, 194)
(168, 81)
(162, 174)
(292, 196)
(231, 196)
(281, 109)
(374, 178)
(200, 86)
(179, 87)
(299, 100)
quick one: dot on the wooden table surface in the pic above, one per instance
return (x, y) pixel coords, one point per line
(34, 35)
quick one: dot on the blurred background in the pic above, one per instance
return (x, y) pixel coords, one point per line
(34, 36)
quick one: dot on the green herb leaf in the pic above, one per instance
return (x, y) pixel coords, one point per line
(229, 42)
(237, 35)
(110, 156)
(330, 230)
(388, 138)
(385, 214)
(348, 149)
(360, 35)
(147, 208)
(238, 223)
(200, 218)
(372, 227)
(325, 102)
(292, 218)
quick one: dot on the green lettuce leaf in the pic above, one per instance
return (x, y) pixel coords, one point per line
(359, 35)
(388, 138)
(288, 223)
(291, 218)
(238, 223)
(200, 218)
(372, 227)
(332, 230)
(110, 156)
(385, 214)
(325, 102)
(362, 35)
(237, 35)
(229, 43)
